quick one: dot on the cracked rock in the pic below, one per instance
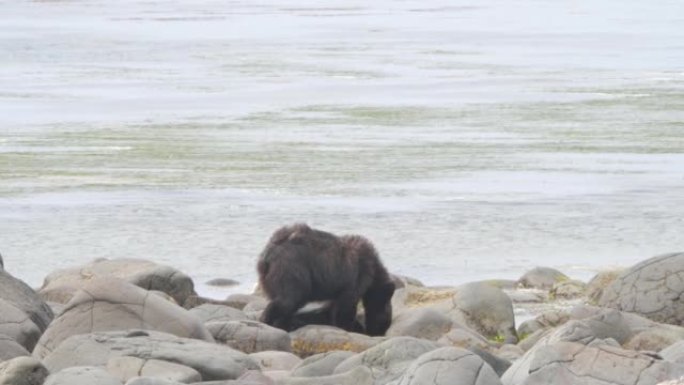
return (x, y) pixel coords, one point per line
(653, 288)
(389, 359)
(570, 363)
(442, 366)
(250, 336)
(212, 361)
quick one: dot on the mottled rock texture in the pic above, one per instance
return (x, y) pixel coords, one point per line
(653, 288)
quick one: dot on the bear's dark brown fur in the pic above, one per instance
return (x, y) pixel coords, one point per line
(300, 264)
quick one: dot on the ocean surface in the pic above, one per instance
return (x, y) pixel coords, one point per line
(467, 139)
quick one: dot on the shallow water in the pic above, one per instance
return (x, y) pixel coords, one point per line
(468, 140)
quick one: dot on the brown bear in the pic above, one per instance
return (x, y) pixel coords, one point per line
(300, 265)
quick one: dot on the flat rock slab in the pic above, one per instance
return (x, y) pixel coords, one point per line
(212, 361)
(62, 285)
(652, 288)
(106, 304)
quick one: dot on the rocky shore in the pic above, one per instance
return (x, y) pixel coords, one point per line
(135, 322)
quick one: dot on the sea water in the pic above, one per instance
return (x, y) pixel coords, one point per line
(467, 139)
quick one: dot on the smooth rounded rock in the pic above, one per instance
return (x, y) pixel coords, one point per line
(487, 310)
(598, 284)
(389, 359)
(62, 285)
(423, 323)
(542, 278)
(442, 366)
(106, 304)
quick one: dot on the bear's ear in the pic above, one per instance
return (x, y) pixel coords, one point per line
(299, 232)
(296, 237)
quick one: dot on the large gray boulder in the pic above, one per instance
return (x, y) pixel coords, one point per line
(570, 363)
(212, 361)
(598, 284)
(9, 348)
(250, 336)
(423, 323)
(605, 326)
(82, 375)
(652, 288)
(442, 366)
(389, 359)
(24, 298)
(322, 364)
(16, 324)
(112, 304)
(22, 371)
(542, 278)
(61, 285)
(315, 339)
(483, 308)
